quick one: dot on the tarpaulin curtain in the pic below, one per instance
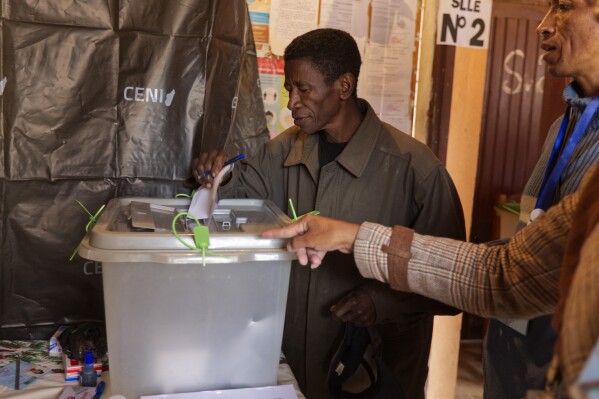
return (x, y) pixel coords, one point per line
(102, 99)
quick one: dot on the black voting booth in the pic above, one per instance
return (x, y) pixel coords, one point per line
(104, 99)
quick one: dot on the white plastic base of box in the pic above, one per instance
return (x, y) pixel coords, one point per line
(278, 392)
(175, 328)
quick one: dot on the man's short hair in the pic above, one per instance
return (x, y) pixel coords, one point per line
(332, 51)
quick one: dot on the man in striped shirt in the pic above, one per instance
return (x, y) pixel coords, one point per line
(518, 279)
(516, 359)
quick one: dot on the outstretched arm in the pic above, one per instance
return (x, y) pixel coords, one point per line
(518, 279)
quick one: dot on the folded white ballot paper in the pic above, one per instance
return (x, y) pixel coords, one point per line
(588, 380)
(204, 200)
(274, 392)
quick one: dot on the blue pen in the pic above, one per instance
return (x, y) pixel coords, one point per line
(229, 162)
(99, 390)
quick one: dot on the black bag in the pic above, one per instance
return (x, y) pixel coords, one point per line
(357, 373)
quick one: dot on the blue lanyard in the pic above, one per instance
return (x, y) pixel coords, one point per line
(556, 164)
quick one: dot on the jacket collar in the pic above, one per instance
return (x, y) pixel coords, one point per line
(578, 103)
(354, 156)
(572, 96)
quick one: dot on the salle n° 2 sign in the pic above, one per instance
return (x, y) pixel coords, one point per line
(464, 23)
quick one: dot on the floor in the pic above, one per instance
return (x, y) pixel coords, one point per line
(470, 370)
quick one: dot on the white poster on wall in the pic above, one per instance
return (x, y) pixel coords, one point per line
(464, 23)
(386, 76)
(348, 15)
(289, 19)
(385, 33)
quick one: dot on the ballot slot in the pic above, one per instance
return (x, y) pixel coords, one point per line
(225, 219)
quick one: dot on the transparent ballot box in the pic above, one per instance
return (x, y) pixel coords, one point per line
(179, 320)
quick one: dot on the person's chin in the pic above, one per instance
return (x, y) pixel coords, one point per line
(551, 57)
(558, 70)
(304, 124)
(555, 66)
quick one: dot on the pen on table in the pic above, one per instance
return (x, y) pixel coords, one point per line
(99, 390)
(18, 374)
(228, 162)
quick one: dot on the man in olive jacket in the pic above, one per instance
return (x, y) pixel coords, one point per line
(343, 161)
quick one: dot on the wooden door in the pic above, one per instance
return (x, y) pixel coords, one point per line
(521, 102)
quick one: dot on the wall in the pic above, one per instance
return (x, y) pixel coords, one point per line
(467, 96)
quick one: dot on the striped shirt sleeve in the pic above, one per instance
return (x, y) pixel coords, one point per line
(518, 279)
(368, 254)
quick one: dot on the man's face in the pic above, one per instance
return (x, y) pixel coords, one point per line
(569, 34)
(314, 105)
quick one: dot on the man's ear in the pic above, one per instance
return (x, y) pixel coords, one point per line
(347, 85)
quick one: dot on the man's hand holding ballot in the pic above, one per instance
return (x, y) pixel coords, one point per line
(208, 165)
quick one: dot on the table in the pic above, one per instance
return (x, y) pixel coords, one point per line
(51, 384)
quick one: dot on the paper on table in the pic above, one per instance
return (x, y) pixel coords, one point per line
(77, 392)
(589, 376)
(8, 375)
(204, 200)
(275, 392)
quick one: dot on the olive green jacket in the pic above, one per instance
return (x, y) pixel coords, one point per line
(383, 175)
